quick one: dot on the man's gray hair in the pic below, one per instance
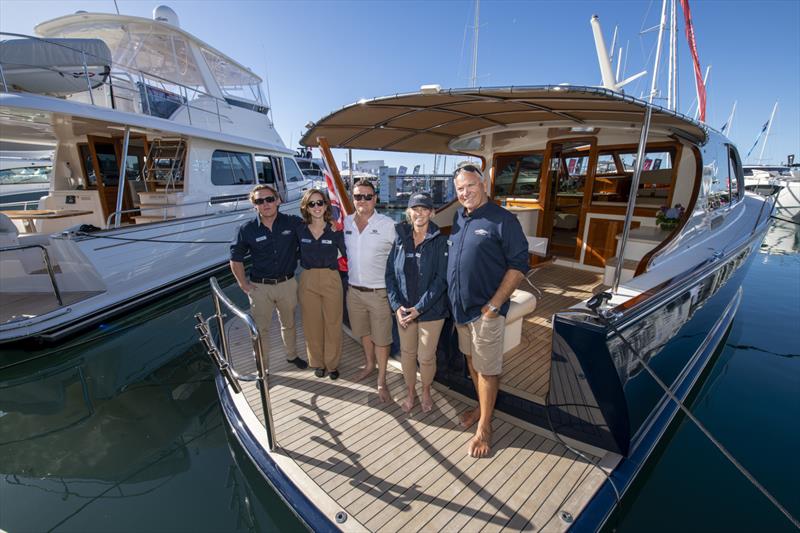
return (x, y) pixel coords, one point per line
(468, 166)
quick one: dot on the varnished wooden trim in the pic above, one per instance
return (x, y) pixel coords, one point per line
(644, 263)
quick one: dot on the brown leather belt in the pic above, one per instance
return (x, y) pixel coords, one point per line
(366, 289)
(272, 281)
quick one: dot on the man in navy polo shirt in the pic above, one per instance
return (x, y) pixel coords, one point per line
(488, 257)
(271, 240)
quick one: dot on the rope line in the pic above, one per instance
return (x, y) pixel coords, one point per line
(699, 424)
(128, 239)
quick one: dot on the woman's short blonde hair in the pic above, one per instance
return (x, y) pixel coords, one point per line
(327, 216)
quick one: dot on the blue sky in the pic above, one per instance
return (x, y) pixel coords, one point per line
(320, 56)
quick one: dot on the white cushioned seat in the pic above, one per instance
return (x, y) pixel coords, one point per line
(522, 303)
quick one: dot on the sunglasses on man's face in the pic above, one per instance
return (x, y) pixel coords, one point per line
(360, 197)
(316, 203)
(263, 199)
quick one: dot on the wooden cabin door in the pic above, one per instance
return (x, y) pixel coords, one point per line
(568, 172)
(105, 156)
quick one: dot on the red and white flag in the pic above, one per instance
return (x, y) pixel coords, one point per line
(698, 74)
(336, 203)
(337, 210)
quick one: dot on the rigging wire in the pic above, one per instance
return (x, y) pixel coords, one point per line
(785, 220)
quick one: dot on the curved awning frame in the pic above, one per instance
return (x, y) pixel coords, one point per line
(427, 122)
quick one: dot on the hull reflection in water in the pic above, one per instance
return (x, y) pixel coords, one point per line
(117, 431)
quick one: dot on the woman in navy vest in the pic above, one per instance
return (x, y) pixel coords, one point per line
(320, 291)
(416, 285)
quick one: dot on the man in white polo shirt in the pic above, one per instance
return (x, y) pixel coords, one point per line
(369, 237)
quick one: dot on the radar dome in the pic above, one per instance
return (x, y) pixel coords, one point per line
(167, 15)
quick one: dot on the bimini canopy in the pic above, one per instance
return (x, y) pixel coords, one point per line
(427, 122)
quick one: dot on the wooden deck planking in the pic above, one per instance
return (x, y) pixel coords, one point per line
(526, 370)
(391, 471)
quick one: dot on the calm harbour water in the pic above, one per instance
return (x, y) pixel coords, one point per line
(121, 430)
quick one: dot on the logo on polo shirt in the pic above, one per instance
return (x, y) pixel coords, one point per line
(327, 241)
(375, 232)
(305, 241)
(262, 238)
(481, 232)
(348, 232)
(286, 232)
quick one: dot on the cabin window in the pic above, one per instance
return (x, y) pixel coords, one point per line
(106, 160)
(718, 177)
(735, 172)
(293, 173)
(518, 175)
(614, 177)
(264, 169)
(231, 168)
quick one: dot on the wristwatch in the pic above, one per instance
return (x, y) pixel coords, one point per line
(492, 308)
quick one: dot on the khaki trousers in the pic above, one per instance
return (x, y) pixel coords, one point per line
(321, 308)
(264, 299)
(419, 341)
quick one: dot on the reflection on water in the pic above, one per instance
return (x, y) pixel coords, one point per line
(123, 432)
(749, 402)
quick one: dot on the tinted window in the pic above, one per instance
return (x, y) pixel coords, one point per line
(735, 172)
(293, 172)
(231, 168)
(518, 175)
(266, 173)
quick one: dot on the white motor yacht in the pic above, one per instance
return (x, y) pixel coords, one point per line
(782, 182)
(158, 138)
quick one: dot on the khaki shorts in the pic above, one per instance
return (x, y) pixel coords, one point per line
(482, 340)
(370, 314)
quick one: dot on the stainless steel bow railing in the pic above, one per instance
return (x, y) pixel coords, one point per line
(220, 353)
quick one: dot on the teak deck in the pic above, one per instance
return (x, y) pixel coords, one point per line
(526, 368)
(395, 472)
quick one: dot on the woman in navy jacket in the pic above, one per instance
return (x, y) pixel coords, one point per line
(416, 285)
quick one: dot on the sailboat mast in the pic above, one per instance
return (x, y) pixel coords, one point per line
(672, 101)
(766, 137)
(658, 50)
(474, 76)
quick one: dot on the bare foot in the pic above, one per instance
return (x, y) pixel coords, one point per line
(383, 394)
(469, 417)
(363, 374)
(427, 403)
(480, 445)
(408, 403)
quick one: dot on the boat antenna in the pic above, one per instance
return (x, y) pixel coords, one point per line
(116, 6)
(266, 80)
(769, 127)
(474, 74)
(726, 128)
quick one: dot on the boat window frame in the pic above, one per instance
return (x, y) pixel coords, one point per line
(733, 157)
(251, 166)
(674, 149)
(495, 169)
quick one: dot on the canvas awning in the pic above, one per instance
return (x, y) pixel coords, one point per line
(427, 122)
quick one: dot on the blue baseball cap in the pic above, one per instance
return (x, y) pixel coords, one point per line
(420, 199)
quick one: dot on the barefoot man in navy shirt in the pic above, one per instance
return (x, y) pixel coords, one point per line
(487, 259)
